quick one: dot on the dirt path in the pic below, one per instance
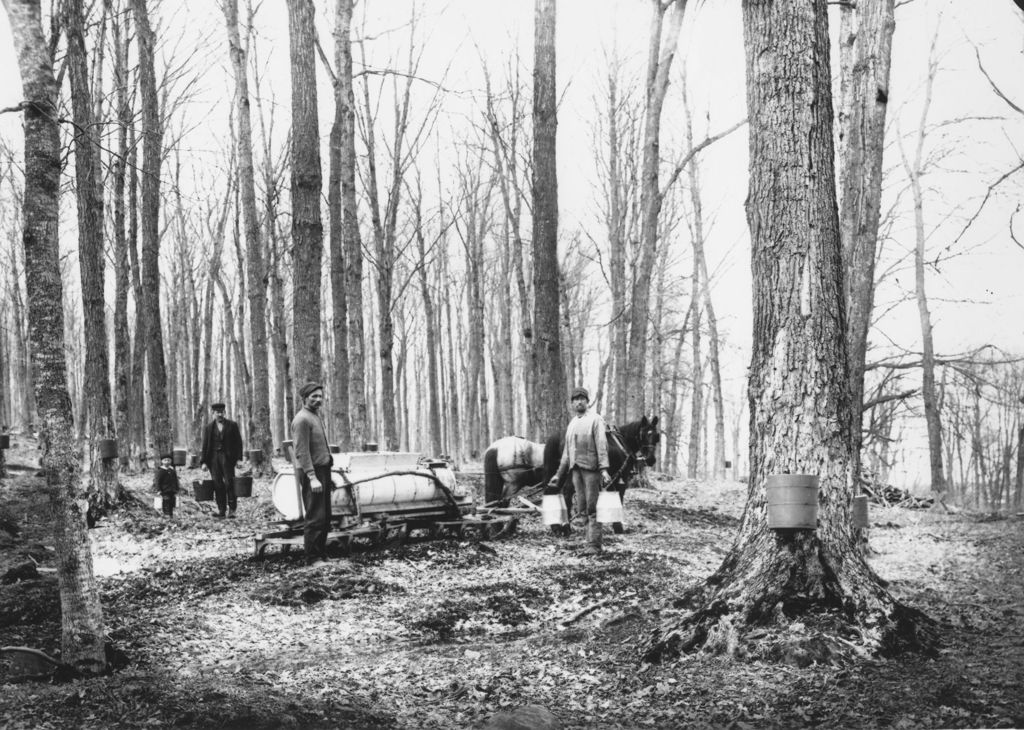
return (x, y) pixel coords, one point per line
(442, 634)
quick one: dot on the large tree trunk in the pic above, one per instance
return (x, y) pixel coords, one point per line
(259, 425)
(661, 52)
(122, 338)
(82, 634)
(353, 253)
(152, 151)
(865, 48)
(550, 388)
(89, 189)
(798, 389)
(307, 229)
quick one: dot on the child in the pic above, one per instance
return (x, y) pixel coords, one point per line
(166, 484)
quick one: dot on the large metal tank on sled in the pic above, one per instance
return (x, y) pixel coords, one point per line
(380, 496)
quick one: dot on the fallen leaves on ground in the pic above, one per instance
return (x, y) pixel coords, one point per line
(443, 633)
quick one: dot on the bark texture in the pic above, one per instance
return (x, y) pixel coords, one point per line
(259, 425)
(307, 228)
(89, 191)
(550, 387)
(152, 156)
(798, 388)
(82, 633)
(865, 51)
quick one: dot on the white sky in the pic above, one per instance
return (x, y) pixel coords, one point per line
(976, 298)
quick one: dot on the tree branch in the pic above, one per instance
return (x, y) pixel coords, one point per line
(681, 165)
(988, 194)
(879, 400)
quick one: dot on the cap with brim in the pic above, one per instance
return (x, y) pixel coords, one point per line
(166, 456)
(217, 407)
(308, 388)
(579, 393)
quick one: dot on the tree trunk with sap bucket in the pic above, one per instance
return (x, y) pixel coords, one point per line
(89, 188)
(259, 425)
(82, 634)
(122, 338)
(798, 391)
(152, 136)
(865, 53)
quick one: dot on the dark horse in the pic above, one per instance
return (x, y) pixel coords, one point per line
(512, 463)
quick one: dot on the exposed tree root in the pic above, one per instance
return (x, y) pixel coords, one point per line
(792, 611)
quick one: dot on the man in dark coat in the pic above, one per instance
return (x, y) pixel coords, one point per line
(222, 450)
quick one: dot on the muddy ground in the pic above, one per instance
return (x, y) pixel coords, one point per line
(444, 633)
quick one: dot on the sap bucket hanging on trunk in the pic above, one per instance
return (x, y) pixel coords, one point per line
(553, 509)
(860, 511)
(792, 501)
(179, 457)
(107, 448)
(609, 507)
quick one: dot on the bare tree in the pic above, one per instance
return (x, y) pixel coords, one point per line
(89, 189)
(550, 391)
(661, 52)
(259, 425)
(307, 228)
(915, 169)
(152, 151)
(798, 386)
(866, 31)
(82, 633)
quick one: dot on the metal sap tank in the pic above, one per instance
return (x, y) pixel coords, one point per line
(392, 483)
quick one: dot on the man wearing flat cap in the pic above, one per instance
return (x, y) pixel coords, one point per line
(222, 450)
(313, 470)
(586, 456)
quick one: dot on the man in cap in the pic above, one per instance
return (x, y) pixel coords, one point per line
(222, 450)
(586, 455)
(313, 470)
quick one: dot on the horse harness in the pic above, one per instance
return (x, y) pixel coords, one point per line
(613, 433)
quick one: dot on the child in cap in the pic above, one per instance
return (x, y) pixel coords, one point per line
(166, 484)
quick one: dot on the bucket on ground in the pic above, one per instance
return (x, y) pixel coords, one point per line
(107, 448)
(203, 490)
(243, 486)
(860, 511)
(792, 501)
(553, 509)
(609, 507)
(5, 441)
(179, 457)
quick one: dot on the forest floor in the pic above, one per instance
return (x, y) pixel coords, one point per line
(445, 633)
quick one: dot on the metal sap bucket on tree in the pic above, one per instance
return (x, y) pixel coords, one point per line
(179, 457)
(860, 511)
(792, 501)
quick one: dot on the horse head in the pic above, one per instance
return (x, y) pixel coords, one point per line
(648, 438)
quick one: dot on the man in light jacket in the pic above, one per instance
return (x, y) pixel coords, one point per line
(586, 455)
